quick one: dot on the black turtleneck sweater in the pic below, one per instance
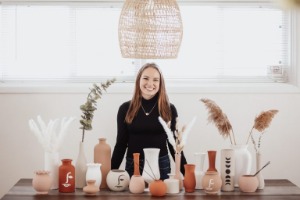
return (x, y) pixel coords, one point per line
(144, 132)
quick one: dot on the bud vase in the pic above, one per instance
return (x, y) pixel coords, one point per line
(66, 176)
(51, 164)
(227, 169)
(189, 178)
(243, 162)
(137, 183)
(94, 173)
(261, 180)
(42, 182)
(211, 181)
(178, 175)
(102, 154)
(199, 172)
(91, 189)
(80, 167)
(151, 166)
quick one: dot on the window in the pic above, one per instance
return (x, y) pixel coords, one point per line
(78, 42)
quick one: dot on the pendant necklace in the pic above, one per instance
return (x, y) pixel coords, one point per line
(148, 113)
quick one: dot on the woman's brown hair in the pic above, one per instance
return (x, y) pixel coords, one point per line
(163, 100)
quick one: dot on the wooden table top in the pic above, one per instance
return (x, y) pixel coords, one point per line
(274, 190)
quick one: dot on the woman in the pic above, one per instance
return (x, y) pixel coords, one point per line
(138, 124)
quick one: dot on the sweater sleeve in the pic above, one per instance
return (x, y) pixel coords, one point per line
(171, 149)
(122, 137)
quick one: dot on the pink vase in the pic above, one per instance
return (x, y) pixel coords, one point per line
(137, 182)
(42, 182)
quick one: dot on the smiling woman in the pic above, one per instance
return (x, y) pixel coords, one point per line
(228, 41)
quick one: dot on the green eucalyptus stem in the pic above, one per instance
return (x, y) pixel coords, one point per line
(82, 139)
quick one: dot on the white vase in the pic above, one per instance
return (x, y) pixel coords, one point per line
(172, 184)
(51, 164)
(80, 168)
(151, 166)
(243, 162)
(261, 180)
(117, 180)
(199, 172)
(227, 169)
(93, 172)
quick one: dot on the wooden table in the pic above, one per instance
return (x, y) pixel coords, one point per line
(274, 190)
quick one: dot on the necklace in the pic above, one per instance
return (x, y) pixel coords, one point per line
(148, 113)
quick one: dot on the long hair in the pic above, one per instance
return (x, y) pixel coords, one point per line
(163, 100)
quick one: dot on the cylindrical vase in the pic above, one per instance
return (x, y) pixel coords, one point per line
(227, 169)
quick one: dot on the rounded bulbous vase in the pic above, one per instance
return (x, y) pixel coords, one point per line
(248, 183)
(157, 188)
(117, 180)
(42, 182)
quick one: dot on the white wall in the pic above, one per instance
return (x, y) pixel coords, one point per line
(21, 154)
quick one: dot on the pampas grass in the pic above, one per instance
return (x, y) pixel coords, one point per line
(220, 119)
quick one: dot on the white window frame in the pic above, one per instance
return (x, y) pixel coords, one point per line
(293, 86)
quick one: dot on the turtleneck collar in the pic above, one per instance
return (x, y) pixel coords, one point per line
(151, 101)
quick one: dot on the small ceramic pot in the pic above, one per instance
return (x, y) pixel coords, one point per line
(91, 189)
(158, 188)
(137, 184)
(248, 183)
(117, 180)
(172, 184)
(42, 182)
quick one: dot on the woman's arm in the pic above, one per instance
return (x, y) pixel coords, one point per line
(122, 137)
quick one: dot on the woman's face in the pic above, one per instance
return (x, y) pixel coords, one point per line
(149, 82)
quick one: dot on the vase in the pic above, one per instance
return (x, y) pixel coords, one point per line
(157, 188)
(137, 182)
(42, 182)
(248, 183)
(102, 154)
(199, 172)
(66, 176)
(189, 178)
(243, 162)
(91, 189)
(151, 166)
(178, 174)
(51, 164)
(93, 172)
(172, 184)
(261, 180)
(117, 180)
(227, 169)
(212, 181)
(80, 167)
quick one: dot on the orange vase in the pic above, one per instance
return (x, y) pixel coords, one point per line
(189, 178)
(66, 174)
(136, 166)
(137, 182)
(102, 154)
(158, 188)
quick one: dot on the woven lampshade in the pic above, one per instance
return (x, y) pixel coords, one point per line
(150, 29)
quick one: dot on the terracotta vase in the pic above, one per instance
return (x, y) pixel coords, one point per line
(172, 184)
(227, 169)
(243, 162)
(80, 167)
(94, 173)
(117, 180)
(158, 188)
(189, 178)
(248, 183)
(42, 182)
(137, 182)
(91, 189)
(66, 176)
(199, 172)
(102, 154)
(212, 181)
(178, 175)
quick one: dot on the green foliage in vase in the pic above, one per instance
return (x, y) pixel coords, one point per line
(91, 105)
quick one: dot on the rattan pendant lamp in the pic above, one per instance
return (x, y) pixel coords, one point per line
(150, 29)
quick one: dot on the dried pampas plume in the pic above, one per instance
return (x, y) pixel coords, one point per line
(263, 121)
(220, 119)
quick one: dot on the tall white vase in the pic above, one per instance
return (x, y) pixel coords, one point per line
(243, 162)
(51, 163)
(227, 169)
(93, 172)
(151, 166)
(199, 172)
(261, 180)
(80, 168)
